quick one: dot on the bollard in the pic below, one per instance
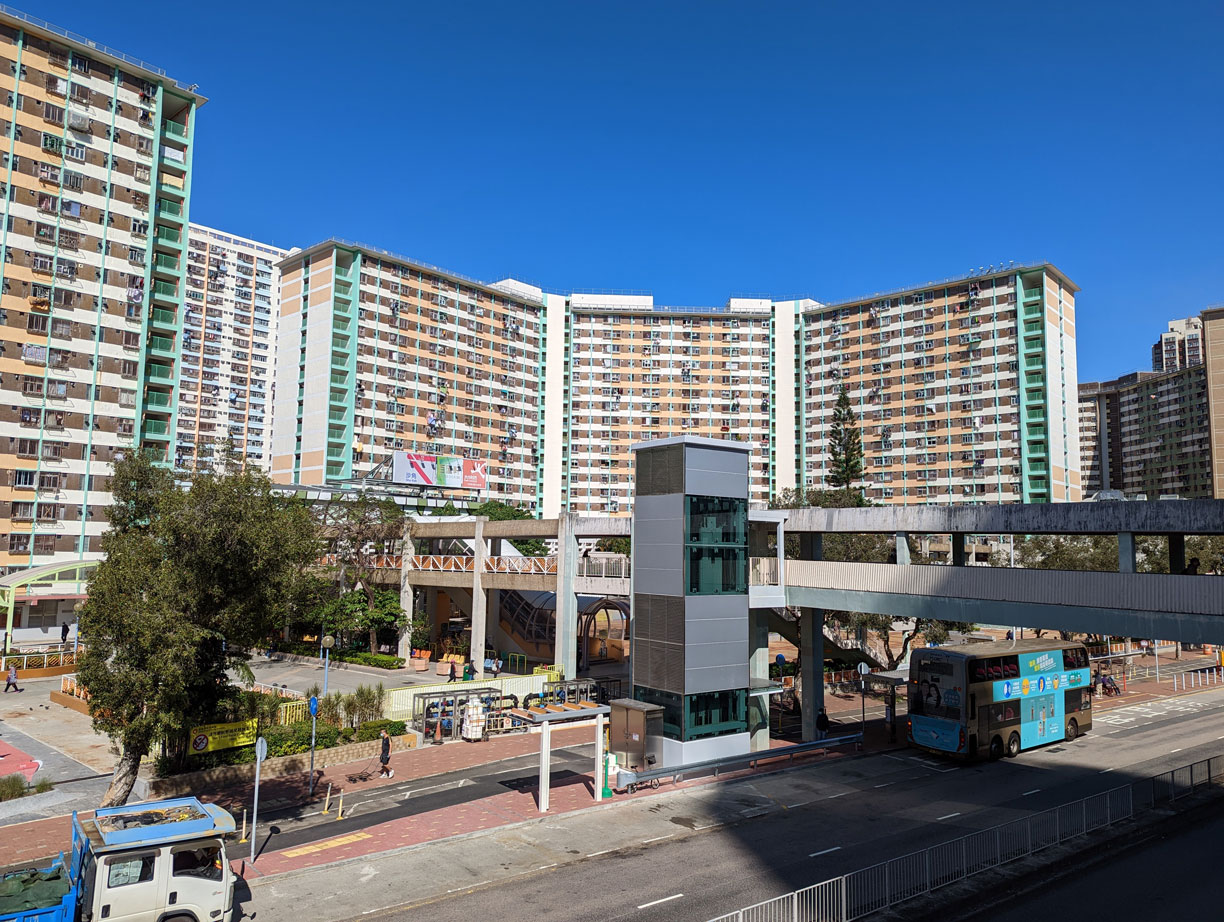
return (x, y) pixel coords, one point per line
(327, 801)
(340, 809)
(244, 838)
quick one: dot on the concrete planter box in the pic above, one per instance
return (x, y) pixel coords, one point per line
(229, 775)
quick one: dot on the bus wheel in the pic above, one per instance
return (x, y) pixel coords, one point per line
(1072, 730)
(996, 748)
(1013, 745)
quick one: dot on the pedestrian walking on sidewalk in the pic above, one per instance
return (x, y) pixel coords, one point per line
(12, 679)
(384, 757)
(64, 634)
(454, 673)
(496, 668)
(822, 725)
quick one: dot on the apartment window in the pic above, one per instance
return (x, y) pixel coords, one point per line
(36, 323)
(74, 181)
(44, 544)
(72, 150)
(127, 368)
(19, 544)
(53, 113)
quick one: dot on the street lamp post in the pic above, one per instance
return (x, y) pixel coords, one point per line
(327, 643)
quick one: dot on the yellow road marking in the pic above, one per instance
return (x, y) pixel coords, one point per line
(326, 844)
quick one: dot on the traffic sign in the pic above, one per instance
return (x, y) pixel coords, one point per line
(314, 705)
(863, 669)
(261, 749)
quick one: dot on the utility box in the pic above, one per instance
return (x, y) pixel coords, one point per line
(635, 730)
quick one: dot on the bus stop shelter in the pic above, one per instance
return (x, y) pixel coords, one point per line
(569, 714)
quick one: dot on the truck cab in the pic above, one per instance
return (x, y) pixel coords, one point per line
(163, 861)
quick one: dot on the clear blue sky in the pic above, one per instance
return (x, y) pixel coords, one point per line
(702, 149)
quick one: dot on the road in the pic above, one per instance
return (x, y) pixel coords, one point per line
(694, 855)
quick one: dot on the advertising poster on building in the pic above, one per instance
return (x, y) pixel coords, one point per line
(211, 737)
(441, 471)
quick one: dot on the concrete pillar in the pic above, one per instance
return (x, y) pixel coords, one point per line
(599, 757)
(1177, 553)
(903, 554)
(545, 763)
(566, 652)
(479, 600)
(1126, 552)
(407, 549)
(811, 658)
(958, 550)
(758, 675)
(811, 546)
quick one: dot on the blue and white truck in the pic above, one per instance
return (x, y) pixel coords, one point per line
(162, 861)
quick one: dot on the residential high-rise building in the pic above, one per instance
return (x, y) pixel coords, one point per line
(965, 389)
(97, 156)
(1147, 432)
(1213, 359)
(228, 349)
(378, 353)
(633, 370)
(1181, 346)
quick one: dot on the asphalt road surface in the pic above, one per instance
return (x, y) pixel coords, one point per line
(880, 807)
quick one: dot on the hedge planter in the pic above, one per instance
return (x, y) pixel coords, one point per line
(298, 764)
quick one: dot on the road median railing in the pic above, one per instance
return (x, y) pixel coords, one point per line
(884, 885)
(631, 780)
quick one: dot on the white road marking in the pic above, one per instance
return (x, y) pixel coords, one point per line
(1033, 791)
(545, 867)
(666, 899)
(885, 784)
(842, 794)
(597, 854)
(835, 848)
(709, 826)
(948, 817)
(1104, 770)
(1171, 751)
(658, 838)
(802, 803)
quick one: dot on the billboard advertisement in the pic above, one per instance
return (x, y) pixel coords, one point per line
(439, 471)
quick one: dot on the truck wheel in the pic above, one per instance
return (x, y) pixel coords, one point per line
(1013, 745)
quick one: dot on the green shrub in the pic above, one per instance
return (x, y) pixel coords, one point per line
(44, 785)
(380, 660)
(12, 787)
(369, 730)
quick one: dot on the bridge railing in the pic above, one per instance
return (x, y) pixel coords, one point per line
(884, 885)
(443, 563)
(542, 566)
(604, 567)
(763, 571)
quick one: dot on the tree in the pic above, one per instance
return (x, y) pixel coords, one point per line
(845, 445)
(1062, 552)
(622, 546)
(497, 511)
(360, 530)
(192, 576)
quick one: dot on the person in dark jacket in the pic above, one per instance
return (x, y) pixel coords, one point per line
(64, 634)
(454, 673)
(822, 725)
(384, 757)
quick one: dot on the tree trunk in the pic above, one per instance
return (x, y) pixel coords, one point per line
(373, 640)
(124, 778)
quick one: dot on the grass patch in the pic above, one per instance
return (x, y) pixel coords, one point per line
(12, 787)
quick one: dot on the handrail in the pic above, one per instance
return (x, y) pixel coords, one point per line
(632, 779)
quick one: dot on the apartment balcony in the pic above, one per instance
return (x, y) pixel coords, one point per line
(173, 159)
(169, 238)
(156, 429)
(176, 130)
(164, 318)
(169, 210)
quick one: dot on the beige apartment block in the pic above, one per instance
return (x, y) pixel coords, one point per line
(97, 178)
(378, 353)
(1213, 349)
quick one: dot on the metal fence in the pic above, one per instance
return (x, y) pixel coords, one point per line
(884, 885)
(44, 660)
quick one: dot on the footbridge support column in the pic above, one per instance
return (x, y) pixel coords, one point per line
(811, 646)
(408, 549)
(566, 652)
(480, 602)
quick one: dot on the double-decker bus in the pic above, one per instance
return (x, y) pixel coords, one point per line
(992, 699)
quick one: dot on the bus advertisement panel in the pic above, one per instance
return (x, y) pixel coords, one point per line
(1040, 691)
(936, 699)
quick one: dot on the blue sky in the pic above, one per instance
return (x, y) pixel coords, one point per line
(698, 150)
